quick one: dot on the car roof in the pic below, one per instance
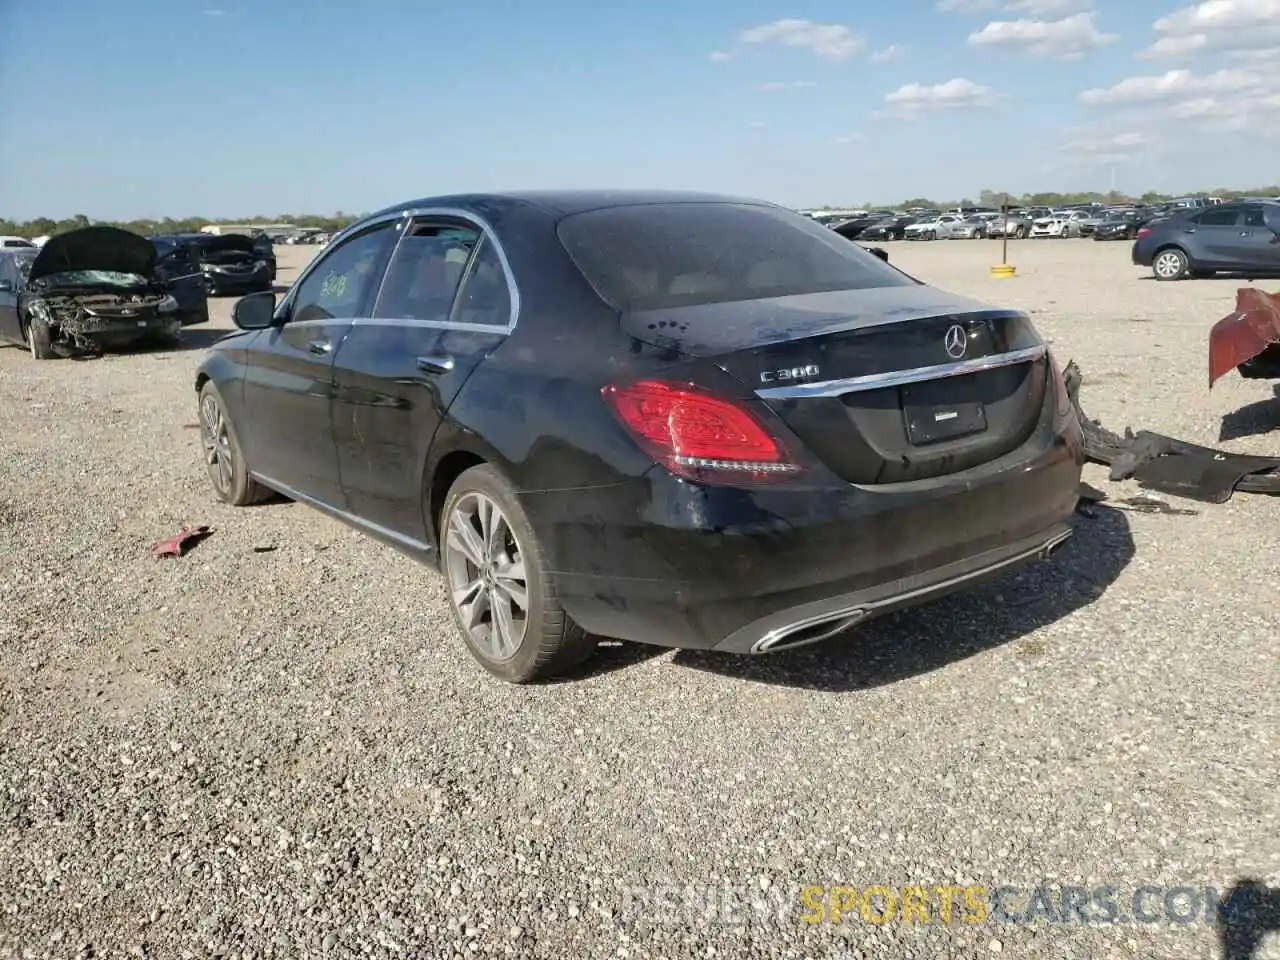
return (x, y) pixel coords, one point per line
(566, 202)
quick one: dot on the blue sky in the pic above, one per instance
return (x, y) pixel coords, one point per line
(239, 107)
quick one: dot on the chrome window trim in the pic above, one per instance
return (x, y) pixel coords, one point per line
(407, 214)
(896, 378)
(286, 302)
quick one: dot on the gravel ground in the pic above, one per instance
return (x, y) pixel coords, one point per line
(276, 746)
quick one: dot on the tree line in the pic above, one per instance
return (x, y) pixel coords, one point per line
(994, 198)
(48, 227)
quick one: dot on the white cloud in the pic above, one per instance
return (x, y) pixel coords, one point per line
(913, 99)
(966, 6)
(719, 56)
(780, 85)
(1217, 26)
(758, 124)
(894, 51)
(1047, 8)
(1068, 39)
(1095, 146)
(832, 40)
(849, 138)
(1036, 8)
(1230, 99)
(214, 12)
(1177, 85)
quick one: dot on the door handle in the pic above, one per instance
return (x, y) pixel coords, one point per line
(320, 347)
(435, 363)
(1246, 233)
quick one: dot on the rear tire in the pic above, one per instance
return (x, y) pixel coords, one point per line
(503, 598)
(1020, 233)
(39, 339)
(1170, 264)
(223, 455)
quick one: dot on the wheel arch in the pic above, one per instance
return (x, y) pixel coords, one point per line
(441, 478)
(1171, 245)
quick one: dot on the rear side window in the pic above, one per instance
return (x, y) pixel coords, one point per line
(425, 271)
(653, 256)
(484, 297)
(1217, 217)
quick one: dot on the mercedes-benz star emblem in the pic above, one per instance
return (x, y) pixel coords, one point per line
(956, 341)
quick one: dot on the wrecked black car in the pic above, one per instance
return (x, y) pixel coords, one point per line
(88, 290)
(229, 264)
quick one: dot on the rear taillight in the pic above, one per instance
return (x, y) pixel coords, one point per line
(1142, 232)
(697, 435)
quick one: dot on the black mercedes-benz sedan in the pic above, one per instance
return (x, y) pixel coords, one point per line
(678, 419)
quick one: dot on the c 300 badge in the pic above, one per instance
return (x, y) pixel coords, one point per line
(789, 374)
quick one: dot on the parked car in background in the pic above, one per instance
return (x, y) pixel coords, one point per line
(266, 252)
(970, 228)
(1014, 225)
(1119, 225)
(932, 227)
(1088, 222)
(1056, 225)
(853, 229)
(1200, 241)
(19, 243)
(85, 291)
(890, 228)
(14, 264)
(231, 264)
(680, 419)
(177, 264)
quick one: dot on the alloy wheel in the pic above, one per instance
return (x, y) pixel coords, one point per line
(218, 458)
(1168, 264)
(484, 564)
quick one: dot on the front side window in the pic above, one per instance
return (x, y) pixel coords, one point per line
(425, 271)
(345, 278)
(653, 256)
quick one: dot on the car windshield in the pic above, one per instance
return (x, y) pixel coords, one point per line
(93, 278)
(654, 256)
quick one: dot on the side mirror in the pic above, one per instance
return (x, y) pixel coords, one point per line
(880, 252)
(6, 286)
(256, 311)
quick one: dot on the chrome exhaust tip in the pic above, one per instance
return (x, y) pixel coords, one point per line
(1054, 545)
(808, 631)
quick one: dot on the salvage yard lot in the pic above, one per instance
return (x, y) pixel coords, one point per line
(277, 744)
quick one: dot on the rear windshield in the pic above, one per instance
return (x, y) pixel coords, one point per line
(655, 256)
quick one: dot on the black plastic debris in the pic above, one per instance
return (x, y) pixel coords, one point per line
(1168, 465)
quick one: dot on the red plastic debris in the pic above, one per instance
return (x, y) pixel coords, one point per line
(180, 542)
(1244, 333)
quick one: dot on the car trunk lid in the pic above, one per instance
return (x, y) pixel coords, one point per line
(883, 385)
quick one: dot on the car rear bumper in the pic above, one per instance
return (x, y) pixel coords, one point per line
(674, 564)
(223, 284)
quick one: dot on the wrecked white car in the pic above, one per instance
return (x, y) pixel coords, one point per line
(95, 288)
